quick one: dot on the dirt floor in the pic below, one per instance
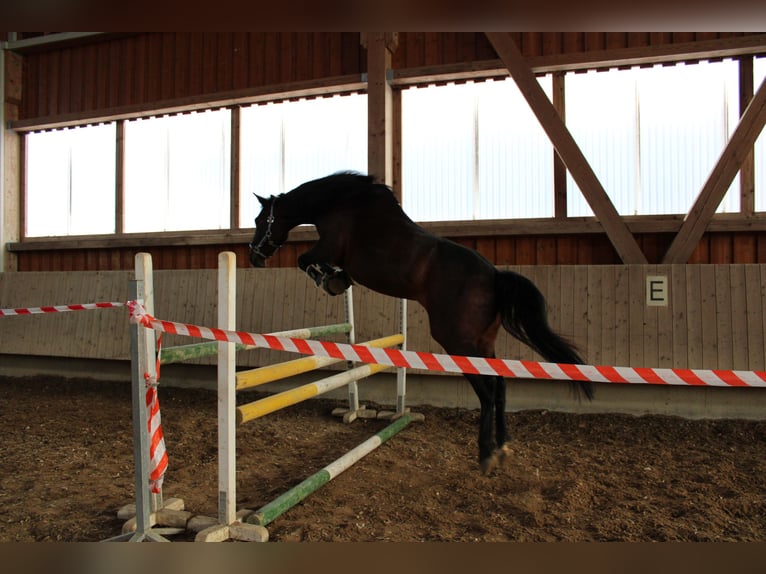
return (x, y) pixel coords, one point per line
(67, 467)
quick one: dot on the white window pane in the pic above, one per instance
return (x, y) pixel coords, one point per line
(177, 172)
(515, 164)
(438, 132)
(286, 144)
(71, 181)
(686, 120)
(93, 183)
(602, 118)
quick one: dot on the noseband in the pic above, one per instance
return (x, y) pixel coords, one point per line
(266, 239)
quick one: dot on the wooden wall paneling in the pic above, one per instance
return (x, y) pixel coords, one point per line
(531, 44)
(225, 62)
(720, 248)
(594, 317)
(553, 296)
(152, 67)
(505, 253)
(248, 311)
(138, 73)
(552, 43)
(209, 61)
(125, 72)
(77, 79)
(651, 356)
(525, 250)
(637, 39)
(84, 330)
(567, 305)
(665, 322)
(637, 301)
(581, 318)
(694, 313)
(17, 290)
(621, 333)
(449, 47)
(432, 47)
(595, 41)
(574, 42)
(754, 316)
(486, 247)
(34, 84)
(286, 57)
(608, 321)
(709, 319)
(723, 304)
(678, 316)
(744, 248)
(566, 251)
(739, 328)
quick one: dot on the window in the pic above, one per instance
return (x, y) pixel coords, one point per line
(474, 151)
(652, 136)
(177, 172)
(286, 144)
(70, 181)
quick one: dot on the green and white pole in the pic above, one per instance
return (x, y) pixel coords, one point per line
(286, 501)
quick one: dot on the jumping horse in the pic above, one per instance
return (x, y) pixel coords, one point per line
(365, 237)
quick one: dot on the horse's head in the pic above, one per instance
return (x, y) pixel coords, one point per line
(270, 232)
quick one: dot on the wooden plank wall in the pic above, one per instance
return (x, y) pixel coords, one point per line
(584, 249)
(138, 69)
(715, 317)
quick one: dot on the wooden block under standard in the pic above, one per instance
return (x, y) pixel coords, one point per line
(173, 518)
(200, 523)
(248, 532)
(215, 533)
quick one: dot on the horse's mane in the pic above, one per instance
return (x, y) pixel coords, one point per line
(342, 187)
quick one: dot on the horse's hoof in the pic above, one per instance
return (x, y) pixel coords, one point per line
(504, 453)
(337, 283)
(488, 464)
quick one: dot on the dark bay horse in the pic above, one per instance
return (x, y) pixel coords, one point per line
(364, 236)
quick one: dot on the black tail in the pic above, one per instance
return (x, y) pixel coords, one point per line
(524, 315)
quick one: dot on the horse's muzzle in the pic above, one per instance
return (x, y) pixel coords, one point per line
(257, 260)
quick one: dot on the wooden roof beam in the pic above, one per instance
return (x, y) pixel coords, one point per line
(736, 151)
(568, 150)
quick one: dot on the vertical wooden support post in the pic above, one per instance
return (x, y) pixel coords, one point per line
(145, 274)
(227, 280)
(747, 171)
(559, 169)
(379, 106)
(12, 218)
(401, 373)
(353, 388)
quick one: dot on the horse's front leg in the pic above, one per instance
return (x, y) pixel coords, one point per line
(332, 279)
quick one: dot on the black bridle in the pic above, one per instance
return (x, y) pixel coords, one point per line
(266, 239)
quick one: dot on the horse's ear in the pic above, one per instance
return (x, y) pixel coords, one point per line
(261, 200)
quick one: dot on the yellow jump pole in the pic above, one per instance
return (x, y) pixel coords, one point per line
(268, 374)
(294, 396)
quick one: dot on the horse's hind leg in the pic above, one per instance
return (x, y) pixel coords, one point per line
(484, 387)
(501, 425)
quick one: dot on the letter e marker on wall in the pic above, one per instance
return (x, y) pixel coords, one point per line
(657, 290)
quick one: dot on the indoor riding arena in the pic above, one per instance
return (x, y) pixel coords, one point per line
(178, 361)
